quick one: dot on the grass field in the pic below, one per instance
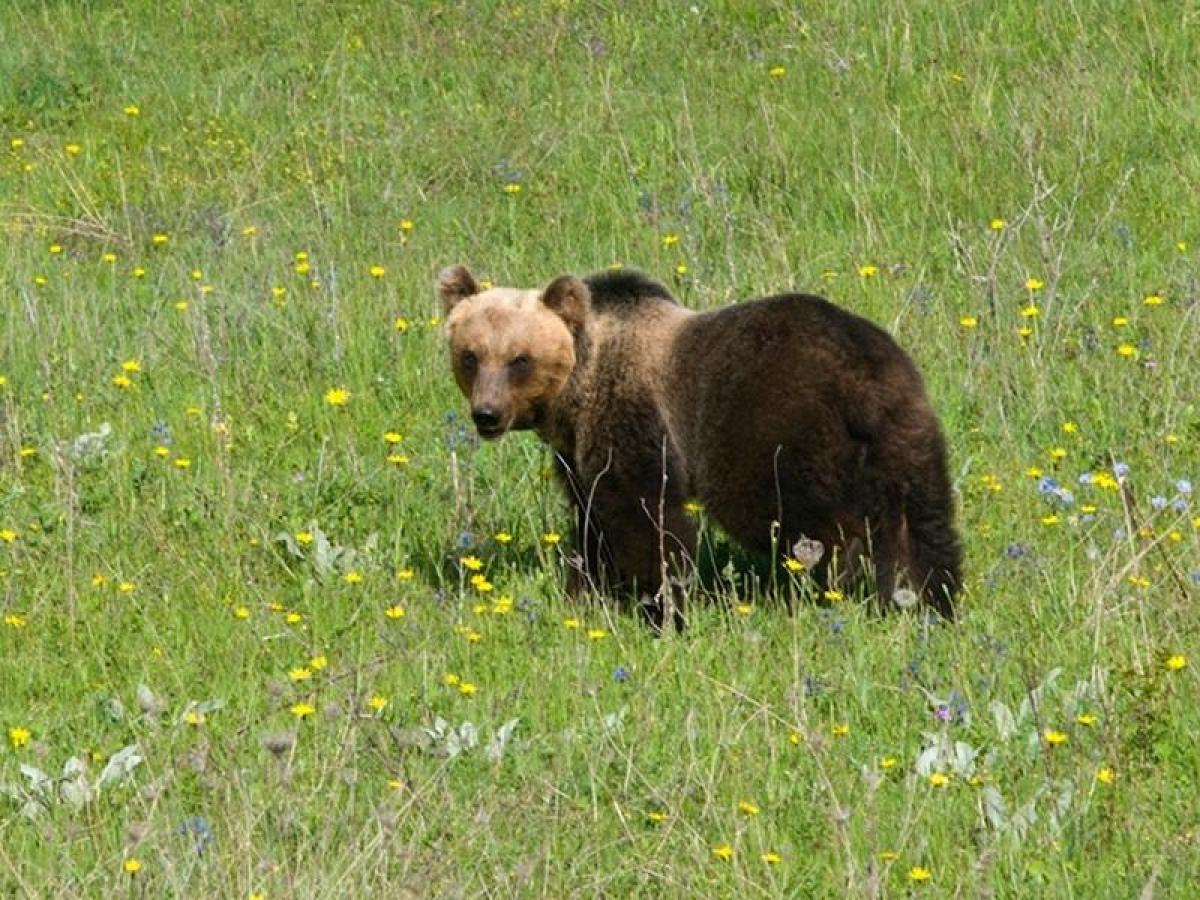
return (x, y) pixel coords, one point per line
(275, 624)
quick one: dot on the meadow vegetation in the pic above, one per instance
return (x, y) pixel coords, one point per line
(273, 623)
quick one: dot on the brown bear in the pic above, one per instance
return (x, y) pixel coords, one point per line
(787, 417)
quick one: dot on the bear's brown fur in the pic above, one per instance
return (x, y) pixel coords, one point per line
(787, 417)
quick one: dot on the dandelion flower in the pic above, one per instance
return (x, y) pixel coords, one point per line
(377, 703)
(394, 612)
(18, 736)
(378, 271)
(512, 188)
(467, 688)
(1054, 738)
(919, 874)
(300, 673)
(1152, 300)
(939, 780)
(1177, 663)
(771, 858)
(337, 396)
(723, 852)
(302, 710)
(968, 322)
(503, 537)
(1034, 284)
(840, 729)
(746, 808)
(1105, 775)
(868, 271)
(132, 866)
(597, 634)
(657, 817)
(551, 538)
(1087, 720)
(997, 224)
(405, 575)
(353, 577)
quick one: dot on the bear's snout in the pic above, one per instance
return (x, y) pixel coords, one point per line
(487, 421)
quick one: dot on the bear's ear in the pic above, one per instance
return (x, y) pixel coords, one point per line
(569, 298)
(455, 284)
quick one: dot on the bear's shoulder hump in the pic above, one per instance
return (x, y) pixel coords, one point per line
(624, 290)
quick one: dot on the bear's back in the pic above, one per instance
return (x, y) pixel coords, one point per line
(624, 291)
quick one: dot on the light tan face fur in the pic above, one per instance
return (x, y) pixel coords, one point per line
(511, 354)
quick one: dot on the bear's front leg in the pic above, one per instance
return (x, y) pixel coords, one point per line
(642, 537)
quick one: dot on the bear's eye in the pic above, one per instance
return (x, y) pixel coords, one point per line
(469, 362)
(520, 365)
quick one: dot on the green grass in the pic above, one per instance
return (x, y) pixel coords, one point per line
(890, 136)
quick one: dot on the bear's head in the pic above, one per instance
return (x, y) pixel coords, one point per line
(512, 350)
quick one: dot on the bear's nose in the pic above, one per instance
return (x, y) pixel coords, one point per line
(485, 418)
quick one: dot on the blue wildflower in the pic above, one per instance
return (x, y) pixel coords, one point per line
(1158, 502)
(1183, 486)
(198, 827)
(620, 674)
(1120, 469)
